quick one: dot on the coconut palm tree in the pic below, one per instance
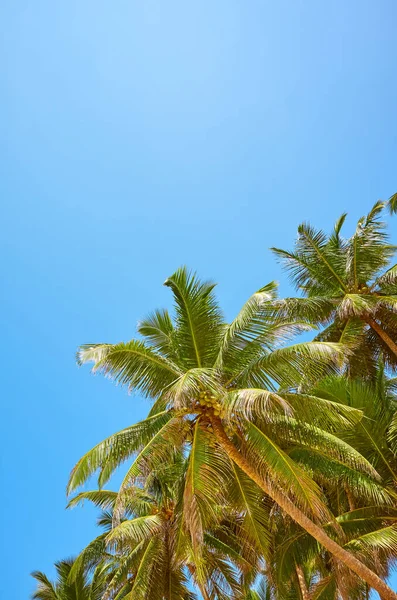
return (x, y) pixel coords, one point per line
(85, 586)
(349, 286)
(148, 555)
(374, 435)
(370, 533)
(217, 402)
(365, 512)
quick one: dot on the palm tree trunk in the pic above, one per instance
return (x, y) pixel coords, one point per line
(299, 517)
(382, 334)
(302, 583)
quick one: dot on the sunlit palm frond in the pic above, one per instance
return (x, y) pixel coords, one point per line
(248, 326)
(135, 530)
(158, 330)
(117, 448)
(282, 471)
(203, 488)
(199, 321)
(133, 364)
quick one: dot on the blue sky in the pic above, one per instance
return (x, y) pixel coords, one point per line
(139, 136)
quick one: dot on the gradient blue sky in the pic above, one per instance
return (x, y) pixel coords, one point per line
(138, 136)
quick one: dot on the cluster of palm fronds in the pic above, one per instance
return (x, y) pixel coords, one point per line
(264, 470)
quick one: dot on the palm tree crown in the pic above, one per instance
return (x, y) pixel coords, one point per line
(87, 585)
(349, 286)
(226, 398)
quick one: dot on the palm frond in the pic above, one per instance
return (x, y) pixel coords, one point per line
(156, 452)
(199, 322)
(116, 448)
(135, 530)
(295, 432)
(205, 475)
(133, 364)
(247, 499)
(392, 204)
(158, 330)
(45, 589)
(248, 325)
(281, 470)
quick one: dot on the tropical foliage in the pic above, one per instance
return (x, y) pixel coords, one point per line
(349, 286)
(266, 468)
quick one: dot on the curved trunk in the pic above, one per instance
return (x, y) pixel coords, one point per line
(299, 517)
(302, 583)
(382, 334)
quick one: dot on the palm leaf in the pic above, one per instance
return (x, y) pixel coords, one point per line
(281, 470)
(133, 364)
(199, 322)
(116, 448)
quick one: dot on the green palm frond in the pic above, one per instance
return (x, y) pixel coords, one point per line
(84, 586)
(117, 448)
(291, 431)
(159, 331)
(125, 564)
(247, 499)
(332, 475)
(287, 366)
(135, 530)
(133, 364)
(157, 451)
(103, 499)
(205, 475)
(325, 589)
(199, 322)
(282, 471)
(254, 403)
(248, 325)
(392, 433)
(319, 259)
(385, 283)
(315, 309)
(335, 240)
(89, 557)
(186, 389)
(323, 412)
(384, 540)
(150, 573)
(392, 204)
(45, 588)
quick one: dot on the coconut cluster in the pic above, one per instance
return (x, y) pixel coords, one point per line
(210, 401)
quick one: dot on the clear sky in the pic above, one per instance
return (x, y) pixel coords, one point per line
(139, 136)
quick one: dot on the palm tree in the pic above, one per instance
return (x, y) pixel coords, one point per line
(369, 532)
(373, 436)
(347, 288)
(85, 586)
(216, 402)
(366, 514)
(146, 552)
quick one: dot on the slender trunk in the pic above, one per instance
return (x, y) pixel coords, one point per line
(381, 333)
(299, 517)
(302, 583)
